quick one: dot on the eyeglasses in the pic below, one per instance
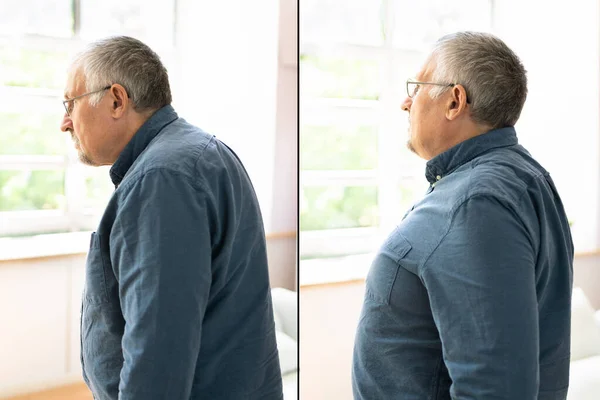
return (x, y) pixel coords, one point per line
(70, 103)
(412, 87)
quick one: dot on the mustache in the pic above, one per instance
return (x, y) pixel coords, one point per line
(73, 137)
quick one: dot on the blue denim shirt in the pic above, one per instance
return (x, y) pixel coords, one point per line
(177, 303)
(470, 296)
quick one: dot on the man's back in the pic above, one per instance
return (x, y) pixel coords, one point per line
(470, 295)
(186, 275)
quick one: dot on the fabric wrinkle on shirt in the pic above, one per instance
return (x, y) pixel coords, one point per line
(469, 297)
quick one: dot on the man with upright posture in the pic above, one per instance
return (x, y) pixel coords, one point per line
(469, 297)
(177, 304)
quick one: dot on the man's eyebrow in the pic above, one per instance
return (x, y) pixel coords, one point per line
(67, 95)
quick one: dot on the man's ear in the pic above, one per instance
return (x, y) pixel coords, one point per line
(119, 100)
(457, 102)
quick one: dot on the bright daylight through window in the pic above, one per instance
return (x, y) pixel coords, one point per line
(357, 177)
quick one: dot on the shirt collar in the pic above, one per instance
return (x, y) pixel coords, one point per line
(446, 162)
(140, 141)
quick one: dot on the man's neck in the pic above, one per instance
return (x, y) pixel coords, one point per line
(461, 134)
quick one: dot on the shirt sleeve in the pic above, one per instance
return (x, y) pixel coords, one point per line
(482, 290)
(161, 256)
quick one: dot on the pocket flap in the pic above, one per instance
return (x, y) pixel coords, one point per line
(397, 245)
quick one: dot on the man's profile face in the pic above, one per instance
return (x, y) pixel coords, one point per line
(423, 113)
(84, 122)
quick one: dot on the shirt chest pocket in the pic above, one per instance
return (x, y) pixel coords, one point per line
(96, 288)
(384, 270)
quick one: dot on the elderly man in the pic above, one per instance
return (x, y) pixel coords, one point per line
(469, 297)
(177, 302)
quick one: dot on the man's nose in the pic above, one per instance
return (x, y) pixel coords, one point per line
(406, 104)
(66, 123)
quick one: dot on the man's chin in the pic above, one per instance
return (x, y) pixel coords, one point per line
(85, 159)
(410, 146)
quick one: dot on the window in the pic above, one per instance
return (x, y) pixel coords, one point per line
(43, 186)
(357, 177)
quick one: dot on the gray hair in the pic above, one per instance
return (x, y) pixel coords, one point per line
(491, 73)
(130, 63)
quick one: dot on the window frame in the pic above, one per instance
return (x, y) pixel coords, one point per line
(383, 113)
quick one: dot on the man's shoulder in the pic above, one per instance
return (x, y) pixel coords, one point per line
(504, 173)
(176, 149)
(188, 152)
(189, 148)
(178, 144)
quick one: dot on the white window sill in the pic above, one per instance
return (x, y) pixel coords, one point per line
(63, 244)
(50, 245)
(335, 270)
(322, 271)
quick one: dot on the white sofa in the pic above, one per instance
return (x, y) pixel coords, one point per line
(285, 310)
(584, 382)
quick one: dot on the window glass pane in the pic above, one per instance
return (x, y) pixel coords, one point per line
(409, 161)
(98, 187)
(338, 148)
(349, 21)
(418, 24)
(40, 17)
(32, 190)
(33, 68)
(411, 191)
(32, 134)
(339, 78)
(151, 22)
(338, 207)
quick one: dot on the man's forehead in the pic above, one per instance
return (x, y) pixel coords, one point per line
(427, 69)
(74, 81)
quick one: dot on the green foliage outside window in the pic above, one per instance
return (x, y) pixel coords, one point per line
(339, 78)
(337, 207)
(336, 148)
(32, 190)
(33, 68)
(31, 134)
(98, 187)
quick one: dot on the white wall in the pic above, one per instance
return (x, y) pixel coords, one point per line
(235, 76)
(586, 275)
(328, 319)
(284, 203)
(226, 80)
(285, 174)
(40, 304)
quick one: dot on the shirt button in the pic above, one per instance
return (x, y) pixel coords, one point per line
(438, 177)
